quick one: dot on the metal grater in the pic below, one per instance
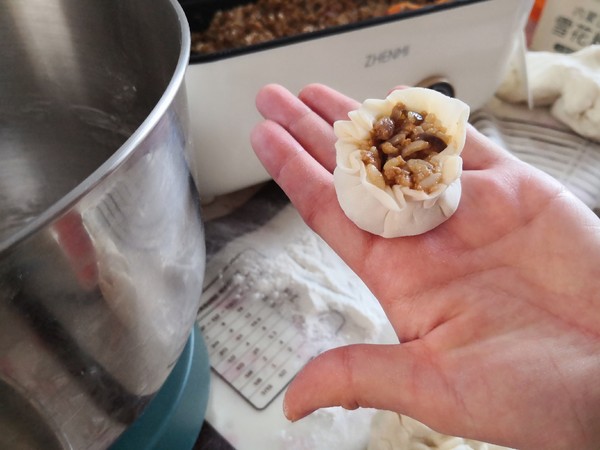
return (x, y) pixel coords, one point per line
(253, 344)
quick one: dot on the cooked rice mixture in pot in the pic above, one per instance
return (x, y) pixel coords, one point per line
(266, 20)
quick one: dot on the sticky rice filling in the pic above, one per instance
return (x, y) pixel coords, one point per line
(403, 150)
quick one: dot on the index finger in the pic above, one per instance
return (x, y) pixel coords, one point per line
(328, 103)
(308, 122)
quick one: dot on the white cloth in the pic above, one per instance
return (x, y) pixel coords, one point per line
(568, 83)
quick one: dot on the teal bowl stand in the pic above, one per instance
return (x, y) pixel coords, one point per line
(173, 418)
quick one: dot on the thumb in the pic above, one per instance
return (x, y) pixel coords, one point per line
(390, 377)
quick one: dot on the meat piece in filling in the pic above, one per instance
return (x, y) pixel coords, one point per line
(402, 150)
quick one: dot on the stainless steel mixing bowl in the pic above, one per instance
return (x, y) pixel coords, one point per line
(101, 240)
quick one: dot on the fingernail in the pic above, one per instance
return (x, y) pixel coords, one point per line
(285, 411)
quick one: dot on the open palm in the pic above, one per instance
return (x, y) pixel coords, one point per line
(497, 310)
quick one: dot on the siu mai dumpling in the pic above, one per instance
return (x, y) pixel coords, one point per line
(398, 162)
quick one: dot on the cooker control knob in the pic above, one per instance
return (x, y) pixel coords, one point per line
(439, 84)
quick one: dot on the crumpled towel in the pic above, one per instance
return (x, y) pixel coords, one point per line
(569, 83)
(391, 431)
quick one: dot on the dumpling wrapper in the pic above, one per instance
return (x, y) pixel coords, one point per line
(399, 210)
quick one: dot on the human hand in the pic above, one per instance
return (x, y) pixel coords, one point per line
(497, 309)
